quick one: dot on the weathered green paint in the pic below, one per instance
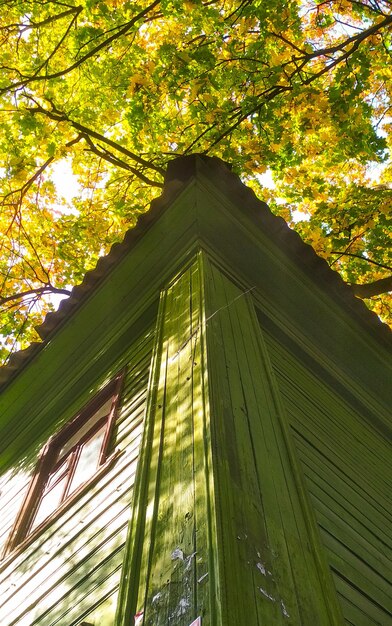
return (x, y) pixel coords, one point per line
(272, 541)
(228, 534)
(176, 572)
(266, 442)
(71, 571)
(352, 506)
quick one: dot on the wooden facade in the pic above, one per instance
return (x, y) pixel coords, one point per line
(248, 476)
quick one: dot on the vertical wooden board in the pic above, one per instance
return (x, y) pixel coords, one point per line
(261, 445)
(285, 520)
(241, 539)
(287, 527)
(319, 595)
(178, 563)
(322, 583)
(167, 591)
(208, 588)
(132, 586)
(223, 480)
(279, 509)
(184, 482)
(137, 564)
(158, 594)
(172, 569)
(145, 523)
(218, 390)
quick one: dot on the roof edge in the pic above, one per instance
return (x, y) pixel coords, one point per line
(180, 171)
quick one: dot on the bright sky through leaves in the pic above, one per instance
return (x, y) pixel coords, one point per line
(65, 182)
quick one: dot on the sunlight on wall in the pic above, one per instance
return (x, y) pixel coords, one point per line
(55, 562)
(13, 487)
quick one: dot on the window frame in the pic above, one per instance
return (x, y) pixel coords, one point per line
(22, 531)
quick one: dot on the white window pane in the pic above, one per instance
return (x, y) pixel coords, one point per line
(49, 503)
(83, 430)
(88, 459)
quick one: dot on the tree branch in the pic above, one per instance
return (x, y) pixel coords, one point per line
(352, 43)
(104, 44)
(38, 291)
(59, 43)
(20, 27)
(111, 158)
(22, 191)
(60, 116)
(384, 285)
(362, 258)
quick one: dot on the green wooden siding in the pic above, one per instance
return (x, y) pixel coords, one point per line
(171, 539)
(274, 568)
(346, 464)
(261, 496)
(225, 524)
(71, 571)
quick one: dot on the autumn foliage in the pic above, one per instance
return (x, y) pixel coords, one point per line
(113, 90)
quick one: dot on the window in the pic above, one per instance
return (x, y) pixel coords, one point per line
(69, 460)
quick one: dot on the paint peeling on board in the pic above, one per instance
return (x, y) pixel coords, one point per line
(183, 606)
(177, 554)
(283, 609)
(267, 595)
(242, 537)
(181, 609)
(200, 580)
(285, 612)
(266, 572)
(261, 568)
(188, 560)
(156, 598)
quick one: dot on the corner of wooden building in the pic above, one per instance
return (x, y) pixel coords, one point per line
(242, 468)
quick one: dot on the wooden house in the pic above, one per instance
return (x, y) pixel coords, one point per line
(203, 436)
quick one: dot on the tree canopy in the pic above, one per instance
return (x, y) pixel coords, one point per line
(114, 90)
